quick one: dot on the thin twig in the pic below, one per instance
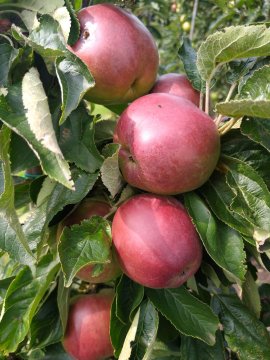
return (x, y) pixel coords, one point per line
(201, 100)
(232, 88)
(228, 125)
(207, 97)
(194, 14)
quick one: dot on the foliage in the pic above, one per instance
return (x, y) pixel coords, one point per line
(47, 127)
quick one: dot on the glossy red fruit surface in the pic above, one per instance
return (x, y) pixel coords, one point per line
(168, 145)
(87, 335)
(156, 242)
(176, 84)
(119, 51)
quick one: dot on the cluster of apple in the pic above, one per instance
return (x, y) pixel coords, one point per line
(168, 146)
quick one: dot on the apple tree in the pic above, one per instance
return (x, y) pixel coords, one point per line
(134, 223)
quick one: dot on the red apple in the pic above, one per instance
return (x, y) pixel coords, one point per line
(156, 242)
(87, 335)
(168, 145)
(173, 7)
(88, 208)
(119, 51)
(5, 25)
(177, 84)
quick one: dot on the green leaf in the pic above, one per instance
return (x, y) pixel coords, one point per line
(189, 315)
(236, 145)
(8, 266)
(76, 140)
(240, 68)
(193, 349)
(257, 130)
(52, 199)
(56, 352)
(110, 173)
(219, 196)
(245, 335)
(8, 55)
(21, 302)
(22, 194)
(250, 295)
(146, 332)
(239, 108)
(46, 328)
(253, 99)
(35, 354)
(104, 130)
(4, 285)
(252, 197)
(62, 15)
(264, 291)
(75, 80)
(22, 64)
(47, 39)
(189, 57)
(142, 334)
(75, 25)
(25, 110)
(63, 294)
(83, 244)
(235, 42)
(12, 237)
(34, 5)
(129, 295)
(256, 86)
(162, 351)
(118, 330)
(223, 244)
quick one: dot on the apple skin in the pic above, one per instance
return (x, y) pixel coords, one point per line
(87, 335)
(177, 84)
(119, 51)
(155, 241)
(87, 209)
(168, 145)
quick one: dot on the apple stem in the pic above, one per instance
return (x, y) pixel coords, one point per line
(207, 97)
(232, 88)
(228, 125)
(110, 213)
(194, 14)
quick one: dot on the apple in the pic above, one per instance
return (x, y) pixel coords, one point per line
(5, 25)
(87, 335)
(168, 145)
(155, 240)
(119, 51)
(186, 26)
(174, 7)
(88, 208)
(176, 84)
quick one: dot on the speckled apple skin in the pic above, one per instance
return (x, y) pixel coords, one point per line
(176, 84)
(168, 145)
(87, 335)
(156, 242)
(119, 51)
